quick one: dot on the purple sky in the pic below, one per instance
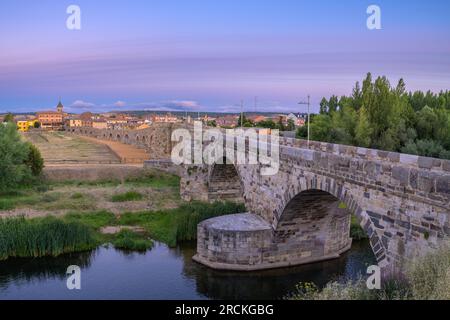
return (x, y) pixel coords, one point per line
(196, 55)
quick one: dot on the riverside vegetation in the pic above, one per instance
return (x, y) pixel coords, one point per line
(69, 216)
(427, 278)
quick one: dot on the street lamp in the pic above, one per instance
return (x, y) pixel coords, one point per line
(307, 103)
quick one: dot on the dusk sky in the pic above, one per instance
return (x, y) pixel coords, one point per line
(208, 55)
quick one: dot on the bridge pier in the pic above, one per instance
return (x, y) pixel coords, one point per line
(246, 242)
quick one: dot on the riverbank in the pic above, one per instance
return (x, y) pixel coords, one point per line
(73, 232)
(426, 278)
(128, 212)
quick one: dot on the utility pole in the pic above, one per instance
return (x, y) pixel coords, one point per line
(242, 113)
(307, 103)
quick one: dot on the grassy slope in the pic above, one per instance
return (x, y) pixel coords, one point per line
(79, 195)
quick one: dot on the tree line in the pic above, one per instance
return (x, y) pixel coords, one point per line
(21, 163)
(380, 116)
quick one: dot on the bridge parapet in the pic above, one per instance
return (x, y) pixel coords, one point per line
(413, 161)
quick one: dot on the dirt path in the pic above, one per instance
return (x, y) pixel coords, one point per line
(127, 153)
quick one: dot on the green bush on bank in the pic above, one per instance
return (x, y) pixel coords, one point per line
(127, 196)
(180, 224)
(52, 236)
(130, 240)
(20, 237)
(357, 233)
(20, 162)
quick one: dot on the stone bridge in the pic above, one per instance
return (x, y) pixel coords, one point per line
(156, 140)
(302, 214)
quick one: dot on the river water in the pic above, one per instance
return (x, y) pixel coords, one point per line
(164, 273)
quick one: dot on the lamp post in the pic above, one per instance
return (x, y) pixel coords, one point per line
(307, 103)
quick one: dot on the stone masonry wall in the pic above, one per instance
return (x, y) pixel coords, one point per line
(156, 140)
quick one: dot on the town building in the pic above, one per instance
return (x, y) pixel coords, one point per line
(99, 124)
(257, 118)
(167, 118)
(228, 121)
(75, 122)
(52, 120)
(298, 120)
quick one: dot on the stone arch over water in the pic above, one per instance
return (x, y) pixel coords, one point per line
(323, 201)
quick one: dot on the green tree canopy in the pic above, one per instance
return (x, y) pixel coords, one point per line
(19, 161)
(378, 115)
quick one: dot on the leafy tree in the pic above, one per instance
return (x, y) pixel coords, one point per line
(9, 117)
(333, 104)
(363, 131)
(34, 160)
(321, 128)
(37, 125)
(324, 106)
(290, 125)
(302, 132)
(245, 121)
(268, 124)
(377, 115)
(13, 154)
(19, 161)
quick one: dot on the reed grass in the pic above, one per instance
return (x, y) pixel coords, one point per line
(130, 240)
(20, 237)
(180, 224)
(127, 196)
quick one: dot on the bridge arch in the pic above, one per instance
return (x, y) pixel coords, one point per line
(224, 182)
(144, 140)
(322, 202)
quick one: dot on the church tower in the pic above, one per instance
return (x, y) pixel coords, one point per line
(59, 107)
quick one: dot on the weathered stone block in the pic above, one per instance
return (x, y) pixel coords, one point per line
(401, 174)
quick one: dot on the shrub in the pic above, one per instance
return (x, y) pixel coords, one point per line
(195, 212)
(34, 160)
(429, 276)
(127, 196)
(356, 231)
(95, 220)
(13, 157)
(129, 240)
(180, 224)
